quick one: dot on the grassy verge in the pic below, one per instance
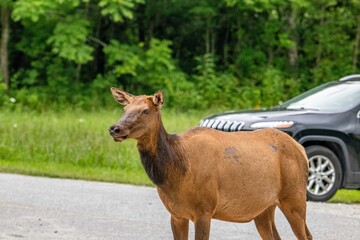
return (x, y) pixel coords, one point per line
(77, 145)
(346, 196)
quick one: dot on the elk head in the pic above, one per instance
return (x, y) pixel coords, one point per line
(141, 114)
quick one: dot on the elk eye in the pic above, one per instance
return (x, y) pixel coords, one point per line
(146, 111)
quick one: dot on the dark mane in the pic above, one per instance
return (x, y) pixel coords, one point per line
(168, 156)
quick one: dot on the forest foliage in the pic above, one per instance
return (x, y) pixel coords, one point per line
(202, 54)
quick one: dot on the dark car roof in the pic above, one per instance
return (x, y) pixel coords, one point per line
(353, 77)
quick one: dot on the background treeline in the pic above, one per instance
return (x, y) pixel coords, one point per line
(202, 54)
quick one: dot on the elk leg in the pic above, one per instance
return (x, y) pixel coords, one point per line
(180, 228)
(308, 232)
(295, 212)
(265, 224)
(202, 228)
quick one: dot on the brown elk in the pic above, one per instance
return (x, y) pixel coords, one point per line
(204, 173)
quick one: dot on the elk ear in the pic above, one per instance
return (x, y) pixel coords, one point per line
(158, 99)
(121, 97)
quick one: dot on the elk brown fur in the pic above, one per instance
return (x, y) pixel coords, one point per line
(203, 173)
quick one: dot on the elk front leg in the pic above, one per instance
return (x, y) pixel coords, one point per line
(202, 228)
(180, 228)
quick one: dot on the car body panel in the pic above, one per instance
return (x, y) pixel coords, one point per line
(339, 130)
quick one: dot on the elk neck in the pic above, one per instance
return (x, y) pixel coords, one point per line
(162, 155)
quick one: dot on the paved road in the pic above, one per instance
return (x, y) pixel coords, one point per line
(43, 208)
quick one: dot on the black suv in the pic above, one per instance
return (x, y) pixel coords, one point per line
(325, 120)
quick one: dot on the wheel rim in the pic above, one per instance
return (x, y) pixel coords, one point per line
(321, 175)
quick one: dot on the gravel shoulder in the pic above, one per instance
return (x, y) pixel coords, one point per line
(45, 208)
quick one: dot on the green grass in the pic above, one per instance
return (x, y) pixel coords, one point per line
(77, 145)
(346, 196)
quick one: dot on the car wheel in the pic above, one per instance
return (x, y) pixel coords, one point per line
(325, 173)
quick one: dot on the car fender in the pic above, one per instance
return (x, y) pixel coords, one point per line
(345, 162)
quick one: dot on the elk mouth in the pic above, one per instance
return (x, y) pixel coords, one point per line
(120, 138)
(118, 134)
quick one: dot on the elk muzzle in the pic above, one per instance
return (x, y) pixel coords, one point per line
(118, 133)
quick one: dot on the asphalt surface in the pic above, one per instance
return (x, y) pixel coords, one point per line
(43, 208)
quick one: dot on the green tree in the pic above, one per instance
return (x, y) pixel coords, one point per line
(70, 51)
(5, 6)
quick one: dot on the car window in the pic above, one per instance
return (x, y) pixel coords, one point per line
(331, 97)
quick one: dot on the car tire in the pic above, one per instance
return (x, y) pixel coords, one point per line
(325, 173)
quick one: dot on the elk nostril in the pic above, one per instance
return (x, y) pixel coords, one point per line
(114, 129)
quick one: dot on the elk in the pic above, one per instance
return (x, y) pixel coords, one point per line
(204, 173)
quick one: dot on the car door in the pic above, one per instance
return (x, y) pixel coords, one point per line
(356, 143)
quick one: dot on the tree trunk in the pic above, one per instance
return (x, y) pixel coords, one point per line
(237, 48)
(356, 48)
(207, 37)
(5, 34)
(226, 48)
(293, 51)
(319, 49)
(78, 73)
